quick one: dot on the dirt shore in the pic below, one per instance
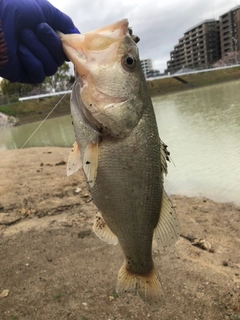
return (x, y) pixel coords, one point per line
(53, 267)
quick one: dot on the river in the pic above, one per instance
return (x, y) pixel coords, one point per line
(201, 128)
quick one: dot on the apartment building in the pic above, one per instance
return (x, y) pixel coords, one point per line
(230, 31)
(146, 66)
(199, 48)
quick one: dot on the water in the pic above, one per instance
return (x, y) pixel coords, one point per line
(201, 128)
(53, 132)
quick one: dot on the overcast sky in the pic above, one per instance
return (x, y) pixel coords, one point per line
(158, 23)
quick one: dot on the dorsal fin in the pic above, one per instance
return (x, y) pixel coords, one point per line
(165, 156)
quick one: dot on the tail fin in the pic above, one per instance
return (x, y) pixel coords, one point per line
(148, 286)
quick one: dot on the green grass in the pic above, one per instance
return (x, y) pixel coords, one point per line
(8, 110)
(115, 295)
(58, 296)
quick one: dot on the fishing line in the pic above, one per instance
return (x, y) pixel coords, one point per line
(48, 115)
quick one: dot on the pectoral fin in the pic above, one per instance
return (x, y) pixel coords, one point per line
(167, 230)
(90, 162)
(102, 230)
(74, 159)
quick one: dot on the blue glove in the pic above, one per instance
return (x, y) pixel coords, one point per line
(34, 50)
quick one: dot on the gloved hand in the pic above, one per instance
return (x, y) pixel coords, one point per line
(34, 49)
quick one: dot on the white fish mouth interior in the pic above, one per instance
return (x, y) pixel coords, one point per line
(116, 34)
(115, 30)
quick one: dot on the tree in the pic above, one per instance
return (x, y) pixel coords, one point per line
(59, 80)
(11, 88)
(72, 79)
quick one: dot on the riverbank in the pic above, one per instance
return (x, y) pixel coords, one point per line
(191, 81)
(54, 267)
(38, 109)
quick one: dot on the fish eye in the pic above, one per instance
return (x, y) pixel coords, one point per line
(129, 62)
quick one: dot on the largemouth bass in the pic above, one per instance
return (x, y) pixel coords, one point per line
(118, 147)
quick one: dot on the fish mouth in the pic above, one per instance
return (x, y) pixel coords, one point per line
(84, 49)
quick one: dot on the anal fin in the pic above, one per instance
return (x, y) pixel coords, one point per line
(167, 230)
(102, 230)
(74, 159)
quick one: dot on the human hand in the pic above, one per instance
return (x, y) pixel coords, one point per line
(34, 50)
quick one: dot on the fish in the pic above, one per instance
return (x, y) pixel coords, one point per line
(121, 154)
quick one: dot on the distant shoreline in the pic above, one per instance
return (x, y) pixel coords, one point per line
(191, 81)
(36, 110)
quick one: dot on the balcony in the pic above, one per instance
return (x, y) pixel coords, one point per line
(227, 27)
(226, 39)
(226, 33)
(227, 44)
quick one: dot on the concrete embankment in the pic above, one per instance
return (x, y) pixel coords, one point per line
(180, 82)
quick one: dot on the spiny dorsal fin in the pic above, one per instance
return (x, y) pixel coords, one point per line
(103, 231)
(167, 230)
(165, 156)
(90, 162)
(74, 159)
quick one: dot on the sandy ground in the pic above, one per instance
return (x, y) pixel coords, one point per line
(52, 266)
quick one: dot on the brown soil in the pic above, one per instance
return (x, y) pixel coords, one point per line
(52, 266)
